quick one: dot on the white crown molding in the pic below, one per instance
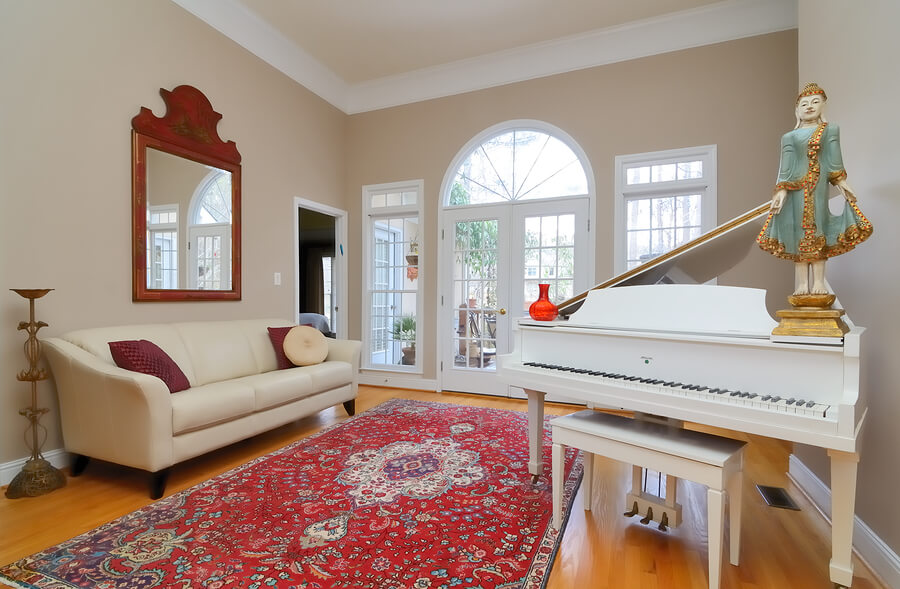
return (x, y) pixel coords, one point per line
(247, 29)
(714, 23)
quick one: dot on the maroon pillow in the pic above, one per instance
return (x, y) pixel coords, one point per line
(146, 357)
(277, 335)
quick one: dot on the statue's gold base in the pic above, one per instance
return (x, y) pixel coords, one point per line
(811, 315)
(38, 477)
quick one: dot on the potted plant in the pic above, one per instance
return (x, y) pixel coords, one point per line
(404, 331)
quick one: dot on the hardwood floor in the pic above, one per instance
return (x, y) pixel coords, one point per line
(600, 549)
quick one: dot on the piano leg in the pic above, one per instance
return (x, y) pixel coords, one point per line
(843, 502)
(535, 433)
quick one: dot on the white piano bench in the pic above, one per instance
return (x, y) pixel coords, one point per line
(710, 460)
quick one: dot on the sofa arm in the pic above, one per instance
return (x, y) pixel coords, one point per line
(108, 412)
(346, 350)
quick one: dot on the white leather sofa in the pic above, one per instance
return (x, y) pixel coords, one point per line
(132, 419)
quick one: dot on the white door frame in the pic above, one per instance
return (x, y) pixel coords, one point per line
(340, 238)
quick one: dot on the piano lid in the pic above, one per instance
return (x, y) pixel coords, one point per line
(696, 261)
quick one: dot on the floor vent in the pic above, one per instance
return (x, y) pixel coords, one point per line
(777, 497)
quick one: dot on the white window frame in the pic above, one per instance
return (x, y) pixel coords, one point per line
(371, 215)
(152, 230)
(706, 186)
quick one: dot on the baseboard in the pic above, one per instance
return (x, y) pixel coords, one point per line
(8, 471)
(398, 381)
(870, 548)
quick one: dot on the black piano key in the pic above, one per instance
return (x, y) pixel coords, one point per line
(766, 398)
(811, 403)
(791, 401)
(752, 395)
(733, 393)
(775, 399)
(702, 388)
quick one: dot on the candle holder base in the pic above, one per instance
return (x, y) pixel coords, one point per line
(37, 477)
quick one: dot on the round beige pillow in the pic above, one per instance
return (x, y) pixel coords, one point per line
(305, 345)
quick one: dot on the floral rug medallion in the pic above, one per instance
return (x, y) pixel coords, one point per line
(408, 494)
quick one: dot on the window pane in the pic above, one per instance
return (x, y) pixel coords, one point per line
(638, 214)
(378, 200)
(548, 230)
(662, 173)
(393, 199)
(688, 170)
(662, 212)
(637, 175)
(566, 230)
(515, 165)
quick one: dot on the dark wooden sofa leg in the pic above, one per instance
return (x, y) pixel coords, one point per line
(79, 464)
(158, 483)
(350, 406)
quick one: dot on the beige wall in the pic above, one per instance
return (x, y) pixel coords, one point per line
(73, 76)
(857, 67)
(733, 95)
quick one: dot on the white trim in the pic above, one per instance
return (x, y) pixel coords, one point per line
(869, 547)
(340, 254)
(58, 458)
(247, 29)
(706, 25)
(385, 379)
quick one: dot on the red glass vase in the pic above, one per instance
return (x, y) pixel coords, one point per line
(543, 309)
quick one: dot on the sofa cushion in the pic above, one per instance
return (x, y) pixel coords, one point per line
(305, 345)
(279, 387)
(219, 350)
(329, 375)
(96, 341)
(146, 357)
(203, 406)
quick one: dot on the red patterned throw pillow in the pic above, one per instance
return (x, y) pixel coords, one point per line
(146, 357)
(276, 334)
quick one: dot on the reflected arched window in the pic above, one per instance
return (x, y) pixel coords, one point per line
(518, 164)
(213, 200)
(209, 233)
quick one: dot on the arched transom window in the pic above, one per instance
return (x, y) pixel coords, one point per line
(518, 164)
(213, 200)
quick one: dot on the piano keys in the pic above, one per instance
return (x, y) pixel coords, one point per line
(645, 342)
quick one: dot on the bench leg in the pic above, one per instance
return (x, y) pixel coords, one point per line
(715, 516)
(558, 468)
(733, 489)
(587, 479)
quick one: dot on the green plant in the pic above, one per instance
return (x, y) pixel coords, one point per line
(404, 330)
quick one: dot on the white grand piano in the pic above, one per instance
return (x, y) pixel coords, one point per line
(646, 341)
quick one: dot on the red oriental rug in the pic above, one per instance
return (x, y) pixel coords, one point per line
(407, 494)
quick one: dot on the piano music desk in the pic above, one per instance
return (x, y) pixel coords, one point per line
(710, 460)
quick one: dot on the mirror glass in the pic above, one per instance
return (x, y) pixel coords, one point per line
(186, 203)
(188, 224)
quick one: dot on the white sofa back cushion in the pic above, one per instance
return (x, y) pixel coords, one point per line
(96, 341)
(206, 351)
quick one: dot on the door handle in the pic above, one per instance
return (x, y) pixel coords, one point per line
(503, 311)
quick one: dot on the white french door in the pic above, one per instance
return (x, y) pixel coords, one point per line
(494, 257)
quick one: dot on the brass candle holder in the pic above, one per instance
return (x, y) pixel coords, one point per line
(38, 476)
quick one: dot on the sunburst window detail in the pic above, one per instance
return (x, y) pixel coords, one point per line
(521, 164)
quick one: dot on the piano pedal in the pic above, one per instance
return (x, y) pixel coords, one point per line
(664, 522)
(649, 518)
(633, 512)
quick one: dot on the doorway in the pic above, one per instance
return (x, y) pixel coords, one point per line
(321, 270)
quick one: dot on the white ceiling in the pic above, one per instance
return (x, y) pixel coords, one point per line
(364, 54)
